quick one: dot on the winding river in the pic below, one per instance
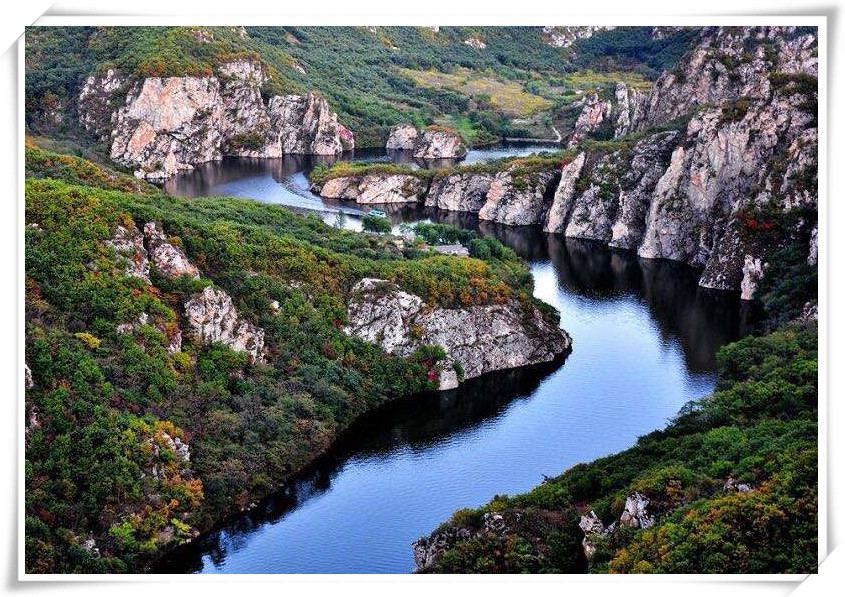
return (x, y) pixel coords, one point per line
(644, 343)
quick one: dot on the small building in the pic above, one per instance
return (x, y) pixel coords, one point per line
(456, 250)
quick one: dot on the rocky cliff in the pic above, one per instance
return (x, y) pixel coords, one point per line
(716, 167)
(620, 113)
(739, 178)
(431, 144)
(158, 126)
(459, 191)
(374, 188)
(479, 339)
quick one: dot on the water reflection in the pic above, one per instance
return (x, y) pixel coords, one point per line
(700, 318)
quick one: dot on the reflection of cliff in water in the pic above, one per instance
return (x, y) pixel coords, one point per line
(701, 319)
(415, 422)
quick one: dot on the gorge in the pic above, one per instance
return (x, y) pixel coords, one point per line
(537, 357)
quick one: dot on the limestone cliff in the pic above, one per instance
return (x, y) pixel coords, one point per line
(480, 338)
(431, 144)
(374, 188)
(517, 198)
(159, 126)
(716, 167)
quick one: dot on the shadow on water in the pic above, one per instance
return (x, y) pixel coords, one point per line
(416, 422)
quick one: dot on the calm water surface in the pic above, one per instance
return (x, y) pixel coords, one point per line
(644, 343)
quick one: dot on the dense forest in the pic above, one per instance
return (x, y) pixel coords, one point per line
(374, 77)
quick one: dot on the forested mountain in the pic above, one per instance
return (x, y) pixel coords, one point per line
(483, 81)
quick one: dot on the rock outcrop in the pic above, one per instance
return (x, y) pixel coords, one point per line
(459, 191)
(159, 126)
(481, 338)
(210, 314)
(212, 317)
(427, 550)
(431, 144)
(402, 137)
(129, 243)
(520, 199)
(622, 113)
(636, 513)
(561, 207)
(374, 188)
(563, 37)
(170, 260)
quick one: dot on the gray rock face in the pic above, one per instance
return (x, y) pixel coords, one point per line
(434, 145)
(649, 159)
(427, 550)
(305, 124)
(402, 137)
(213, 318)
(98, 99)
(721, 69)
(170, 260)
(591, 525)
(813, 256)
(635, 513)
(163, 125)
(752, 273)
(459, 192)
(624, 113)
(27, 377)
(520, 200)
(374, 188)
(561, 206)
(481, 338)
(594, 112)
(430, 144)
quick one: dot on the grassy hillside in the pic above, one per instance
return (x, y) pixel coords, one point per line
(105, 406)
(374, 77)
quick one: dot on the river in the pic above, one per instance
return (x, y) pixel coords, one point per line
(644, 343)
